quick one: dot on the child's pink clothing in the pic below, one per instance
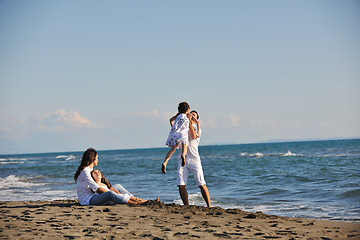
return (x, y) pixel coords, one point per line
(179, 132)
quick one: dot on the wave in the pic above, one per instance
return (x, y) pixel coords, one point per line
(194, 199)
(37, 195)
(2, 163)
(13, 181)
(290, 154)
(259, 154)
(66, 157)
(252, 154)
(339, 155)
(13, 159)
(351, 194)
(323, 212)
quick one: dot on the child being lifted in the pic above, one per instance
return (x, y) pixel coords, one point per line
(178, 134)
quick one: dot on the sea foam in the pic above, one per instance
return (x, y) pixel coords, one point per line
(13, 181)
(259, 154)
(66, 157)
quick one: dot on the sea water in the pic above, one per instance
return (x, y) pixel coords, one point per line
(315, 179)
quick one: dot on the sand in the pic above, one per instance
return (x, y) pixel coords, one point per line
(66, 219)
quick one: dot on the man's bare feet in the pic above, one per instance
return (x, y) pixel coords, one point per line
(163, 167)
(183, 160)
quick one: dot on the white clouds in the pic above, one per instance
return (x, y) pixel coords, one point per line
(63, 130)
(233, 120)
(216, 121)
(63, 120)
(59, 130)
(57, 121)
(266, 122)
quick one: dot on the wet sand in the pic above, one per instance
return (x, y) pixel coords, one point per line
(66, 219)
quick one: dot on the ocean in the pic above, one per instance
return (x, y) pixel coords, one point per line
(314, 179)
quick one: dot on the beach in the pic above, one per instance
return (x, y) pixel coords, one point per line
(67, 219)
(317, 180)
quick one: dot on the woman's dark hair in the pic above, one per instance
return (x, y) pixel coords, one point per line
(196, 114)
(103, 179)
(88, 157)
(183, 107)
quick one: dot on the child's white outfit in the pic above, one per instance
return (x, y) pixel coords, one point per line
(179, 132)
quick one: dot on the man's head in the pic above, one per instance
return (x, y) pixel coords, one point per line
(195, 114)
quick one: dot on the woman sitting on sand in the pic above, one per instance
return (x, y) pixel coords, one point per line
(90, 192)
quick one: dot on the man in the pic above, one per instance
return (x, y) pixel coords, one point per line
(193, 162)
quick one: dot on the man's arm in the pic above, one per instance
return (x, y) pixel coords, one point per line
(192, 131)
(198, 126)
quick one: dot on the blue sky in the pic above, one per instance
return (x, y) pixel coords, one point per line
(75, 74)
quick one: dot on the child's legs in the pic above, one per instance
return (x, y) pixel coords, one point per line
(167, 158)
(170, 153)
(135, 200)
(121, 189)
(109, 195)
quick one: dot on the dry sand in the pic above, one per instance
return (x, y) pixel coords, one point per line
(153, 220)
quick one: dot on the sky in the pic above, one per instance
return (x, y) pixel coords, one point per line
(110, 74)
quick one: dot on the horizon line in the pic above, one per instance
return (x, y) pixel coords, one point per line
(211, 144)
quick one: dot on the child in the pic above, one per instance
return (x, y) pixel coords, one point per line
(178, 134)
(104, 183)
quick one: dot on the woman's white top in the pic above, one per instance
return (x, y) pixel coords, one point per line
(86, 186)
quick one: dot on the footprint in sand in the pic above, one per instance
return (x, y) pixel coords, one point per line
(179, 233)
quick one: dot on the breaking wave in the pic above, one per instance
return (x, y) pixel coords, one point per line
(259, 154)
